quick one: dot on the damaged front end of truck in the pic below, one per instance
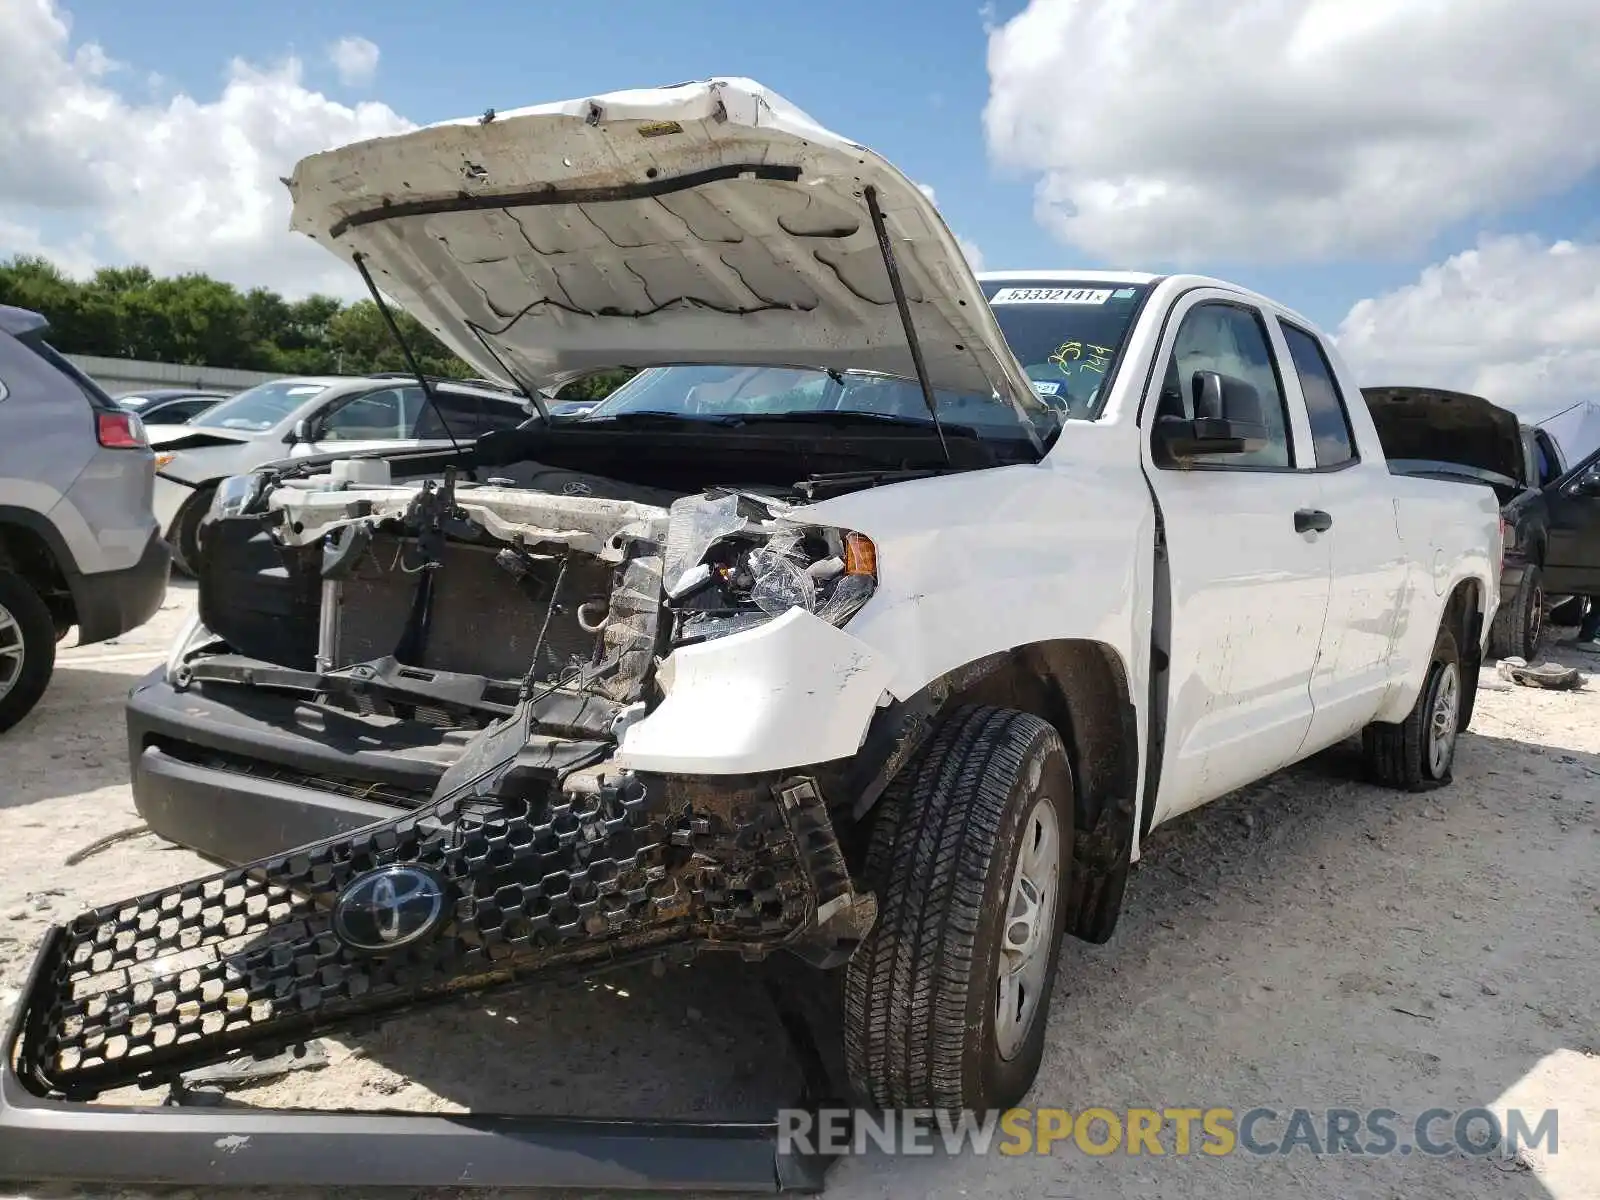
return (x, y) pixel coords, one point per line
(623, 637)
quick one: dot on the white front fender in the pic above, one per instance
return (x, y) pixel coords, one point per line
(789, 693)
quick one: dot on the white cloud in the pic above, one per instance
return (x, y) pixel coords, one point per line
(968, 246)
(1514, 319)
(1187, 130)
(75, 257)
(178, 184)
(356, 60)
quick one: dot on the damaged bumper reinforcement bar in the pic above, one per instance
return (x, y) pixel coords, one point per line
(45, 1138)
(517, 867)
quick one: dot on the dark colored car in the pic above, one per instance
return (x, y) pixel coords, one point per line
(1550, 512)
(169, 406)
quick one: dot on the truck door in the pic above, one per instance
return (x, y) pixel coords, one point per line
(1248, 564)
(1572, 554)
(1369, 568)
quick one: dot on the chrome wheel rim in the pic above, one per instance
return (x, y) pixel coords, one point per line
(1443, 719)
(1025, 936)
(11, 651)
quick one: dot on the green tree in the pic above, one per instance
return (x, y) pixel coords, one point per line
(130, 312)
(83, 321)
(360, 334)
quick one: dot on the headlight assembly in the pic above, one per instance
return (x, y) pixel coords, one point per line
(746, 579)
(237, 495)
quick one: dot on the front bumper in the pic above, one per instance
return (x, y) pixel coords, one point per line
(113, 602)
(532, 867)
(248, 773)
(51, 1139)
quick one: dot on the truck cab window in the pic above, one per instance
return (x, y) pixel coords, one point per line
(1231, 341)
(1331, 436)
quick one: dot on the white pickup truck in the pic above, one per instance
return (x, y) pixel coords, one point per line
(877, 620)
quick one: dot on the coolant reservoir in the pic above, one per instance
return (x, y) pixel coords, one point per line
(361, 471)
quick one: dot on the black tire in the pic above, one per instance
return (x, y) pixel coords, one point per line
(185, 533)
(1401, 755)
(31, 624)
(920, 994)
(1518, 627)
(1570, 612)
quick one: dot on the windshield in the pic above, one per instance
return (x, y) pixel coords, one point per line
(261, 407)
(1067, 334)
(714, 393)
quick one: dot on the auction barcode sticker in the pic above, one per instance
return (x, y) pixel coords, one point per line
(1023, 295)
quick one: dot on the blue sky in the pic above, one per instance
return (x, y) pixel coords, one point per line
(1322, 151)
(910, 82)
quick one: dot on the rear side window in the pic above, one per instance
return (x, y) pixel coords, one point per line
(1549, 463)
(91, 390)
(466, 416)
(1331, 436)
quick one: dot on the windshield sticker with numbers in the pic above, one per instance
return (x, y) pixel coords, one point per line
(1045, 387)
(1046, 295)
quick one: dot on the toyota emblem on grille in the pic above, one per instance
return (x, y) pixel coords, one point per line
(576, 487)
(389, 908)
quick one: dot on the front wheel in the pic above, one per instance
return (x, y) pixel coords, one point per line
(946, 1000)
(185, 536)
(1417, 753)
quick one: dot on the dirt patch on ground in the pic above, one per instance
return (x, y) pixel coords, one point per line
(1308, 942)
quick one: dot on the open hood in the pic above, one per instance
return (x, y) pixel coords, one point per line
(708, 222)
(1431, 424)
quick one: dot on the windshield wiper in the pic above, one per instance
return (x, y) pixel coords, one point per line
(847, 417)
(655, 418)
(839, 418)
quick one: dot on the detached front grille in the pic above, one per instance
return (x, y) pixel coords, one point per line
(183, 976)
(248, 959)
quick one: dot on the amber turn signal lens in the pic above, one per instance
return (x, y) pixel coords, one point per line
(860, 555)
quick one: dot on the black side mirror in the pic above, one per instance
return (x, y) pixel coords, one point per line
(1586, 484)
(1228, 419)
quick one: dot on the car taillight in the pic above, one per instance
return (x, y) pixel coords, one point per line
(119, 430)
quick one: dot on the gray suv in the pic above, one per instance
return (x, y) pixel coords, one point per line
(79, 545)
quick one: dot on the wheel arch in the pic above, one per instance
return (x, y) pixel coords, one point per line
(31, 546)
(1081, 687)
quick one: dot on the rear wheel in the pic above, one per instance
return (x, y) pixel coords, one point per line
(1417, 752)
(1518, 626)
(27, 648)
(946, 1000)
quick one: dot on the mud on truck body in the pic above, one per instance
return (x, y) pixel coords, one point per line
(875, 621)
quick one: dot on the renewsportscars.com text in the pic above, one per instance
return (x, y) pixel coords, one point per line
(1261, 1131)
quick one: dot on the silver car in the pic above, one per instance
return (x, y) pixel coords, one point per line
(308, 415)
(79, 544)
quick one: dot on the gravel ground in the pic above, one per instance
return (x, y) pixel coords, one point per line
(1308, 942)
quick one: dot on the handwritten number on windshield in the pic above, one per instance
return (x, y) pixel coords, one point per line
(1085, 355)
